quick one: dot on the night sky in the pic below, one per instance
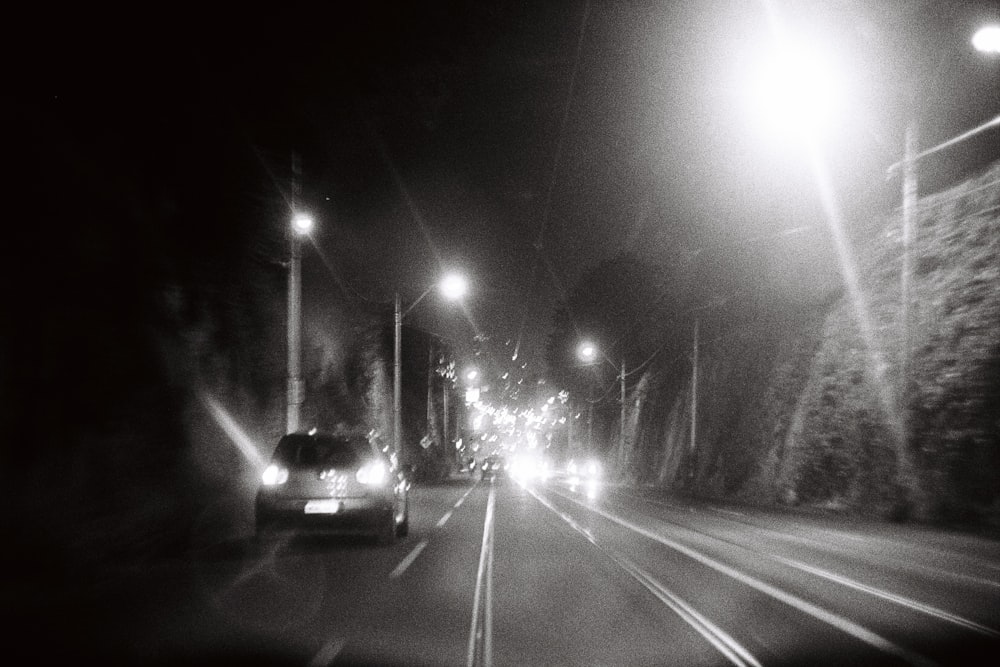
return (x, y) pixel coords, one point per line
(445, 135)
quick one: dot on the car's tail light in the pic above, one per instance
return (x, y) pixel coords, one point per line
(274, 475)
(374, 473)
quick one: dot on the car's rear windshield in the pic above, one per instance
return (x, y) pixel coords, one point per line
(312, 450)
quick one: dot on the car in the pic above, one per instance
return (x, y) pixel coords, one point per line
(493, 466)
(320, 482)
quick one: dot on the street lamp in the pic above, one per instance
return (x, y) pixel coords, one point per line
(795, 86)
(587, 352)
(301, 225)
(453, 286)
(987, 39)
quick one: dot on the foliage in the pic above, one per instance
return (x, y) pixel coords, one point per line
(806, 408)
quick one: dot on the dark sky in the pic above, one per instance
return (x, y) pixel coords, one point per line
(429, 135)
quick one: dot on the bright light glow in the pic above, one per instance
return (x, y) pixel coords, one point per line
(472, 374)
(236, 434)
(797, 88)
(302, 223)
(526, 468)
(373, 474)
(987, 39)
(587, 351)
(454, 286)
(274, 475)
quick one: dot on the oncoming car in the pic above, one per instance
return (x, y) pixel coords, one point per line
(330, 483)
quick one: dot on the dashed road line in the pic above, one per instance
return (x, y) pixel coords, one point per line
(465, 495)
(408, 561)
(415, 552)
(328, 653)
(480, 651)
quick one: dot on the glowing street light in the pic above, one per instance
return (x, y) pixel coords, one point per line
(471, 375)
(454, 286)
(587, 352)
(987, 39)
(795, 87)
(302, 224)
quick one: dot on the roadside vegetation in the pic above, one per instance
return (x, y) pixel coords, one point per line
(806, 410)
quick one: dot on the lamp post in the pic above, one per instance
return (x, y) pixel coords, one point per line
(587, 353)
(453, 287)
(985, 40)
(302, 224)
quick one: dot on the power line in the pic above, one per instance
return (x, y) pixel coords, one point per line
(557, 157)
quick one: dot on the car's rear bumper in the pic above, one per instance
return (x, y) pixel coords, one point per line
(351, 514)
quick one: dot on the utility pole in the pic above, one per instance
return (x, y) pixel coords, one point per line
(694, 398)
(397, 380)
(909, 211)
(569, 428)
(294, 390)
(445, 423)
(430, 386)
(590, 429)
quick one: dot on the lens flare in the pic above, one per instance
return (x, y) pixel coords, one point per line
(848, 270)
(237, 435)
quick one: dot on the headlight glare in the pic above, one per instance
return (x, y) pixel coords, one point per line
(274, 475)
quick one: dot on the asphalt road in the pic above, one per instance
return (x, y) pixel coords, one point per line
(548, 574)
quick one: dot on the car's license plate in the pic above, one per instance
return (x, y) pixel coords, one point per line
(322, 507)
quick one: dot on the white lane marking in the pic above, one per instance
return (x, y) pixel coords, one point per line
(480, 633)
(412, 556)
(886, 595)
(729, 512)
(488, 605)
(716, 636)
(857, 585)
(465, 495)
(408, 561)
(843, 624)
(328, 653)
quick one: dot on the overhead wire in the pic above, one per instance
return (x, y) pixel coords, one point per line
(546, 210)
